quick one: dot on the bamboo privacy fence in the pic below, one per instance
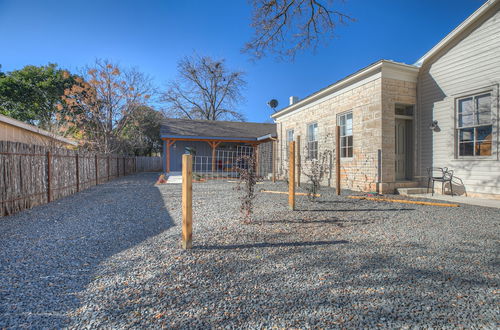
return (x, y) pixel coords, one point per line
(32, 175)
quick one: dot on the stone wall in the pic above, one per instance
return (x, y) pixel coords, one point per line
(393, 92)
(360, 171)
(373, 105)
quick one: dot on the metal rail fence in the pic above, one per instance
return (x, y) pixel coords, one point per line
(226, 162)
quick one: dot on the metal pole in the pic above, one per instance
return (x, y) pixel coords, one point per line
(337, 160)
(273, 159)
(291, 177)
(298, 161)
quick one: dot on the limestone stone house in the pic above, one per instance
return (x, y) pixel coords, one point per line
(397, 120)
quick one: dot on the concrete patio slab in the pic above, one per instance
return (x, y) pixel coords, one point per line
(461, 199)
(175, 177)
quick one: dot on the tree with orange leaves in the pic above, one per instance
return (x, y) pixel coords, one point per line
(100, 104)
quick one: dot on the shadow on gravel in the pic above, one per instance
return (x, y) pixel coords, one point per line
(308, 220)
(49, 254)
(354, 210)
(298, 221)
(268, 245)
(335, 202)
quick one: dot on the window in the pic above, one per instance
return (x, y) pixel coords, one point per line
(289, 138)
(312, 141)
(404, 109)
(474, 125)
(346, 145)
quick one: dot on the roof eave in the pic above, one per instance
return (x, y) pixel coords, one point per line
(31, 128)
(220, 138)
(267, 137)
(341, 84)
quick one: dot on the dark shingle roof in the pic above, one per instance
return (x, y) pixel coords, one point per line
(171, 127)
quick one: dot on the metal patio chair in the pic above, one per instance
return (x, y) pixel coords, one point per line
(439, 174)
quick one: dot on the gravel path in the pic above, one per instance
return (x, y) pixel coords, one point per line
(110, 257)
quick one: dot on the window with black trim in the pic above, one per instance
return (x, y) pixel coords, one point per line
(474, 125)
(312, 141)
(346, 140)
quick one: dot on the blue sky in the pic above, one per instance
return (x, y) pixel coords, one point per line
(153, 35)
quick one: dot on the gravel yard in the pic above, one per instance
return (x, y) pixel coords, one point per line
(110, 257)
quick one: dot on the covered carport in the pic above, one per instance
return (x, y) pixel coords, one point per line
(206, 136)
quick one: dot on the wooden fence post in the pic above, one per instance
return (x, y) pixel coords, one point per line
(77, 173)
(96, 171)
(291, 176)
(298, 161)
(187, 201)
(49, 176)
(337, 160)
(108, 167)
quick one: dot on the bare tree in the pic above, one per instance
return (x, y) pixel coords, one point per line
(315, 170)
(100, 105)
(247, 170)
(285, 27)
(205, 89)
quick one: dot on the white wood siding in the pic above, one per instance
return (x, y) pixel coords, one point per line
(468, 65)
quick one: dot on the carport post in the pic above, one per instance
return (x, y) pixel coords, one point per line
(169, 143)
(291, 176)
(187, 201)
(214, 145)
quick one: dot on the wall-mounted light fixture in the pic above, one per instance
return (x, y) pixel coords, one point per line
(434, 125)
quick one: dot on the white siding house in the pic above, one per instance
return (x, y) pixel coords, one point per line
(458, 86)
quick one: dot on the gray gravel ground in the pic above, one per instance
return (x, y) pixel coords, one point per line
(109, 257)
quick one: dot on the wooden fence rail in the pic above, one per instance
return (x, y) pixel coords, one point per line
(32, 175)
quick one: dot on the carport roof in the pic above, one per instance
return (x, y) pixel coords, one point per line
(211, 129)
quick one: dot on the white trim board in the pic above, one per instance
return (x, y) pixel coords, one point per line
(380, 69)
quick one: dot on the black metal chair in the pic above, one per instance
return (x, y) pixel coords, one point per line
(439, 174)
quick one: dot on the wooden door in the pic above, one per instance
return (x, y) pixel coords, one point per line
(401, 149)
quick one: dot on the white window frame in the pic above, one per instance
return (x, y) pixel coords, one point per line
(344, 137)
(493, 94)
(312, 145)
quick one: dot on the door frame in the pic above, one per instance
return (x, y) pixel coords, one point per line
(410, 146)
